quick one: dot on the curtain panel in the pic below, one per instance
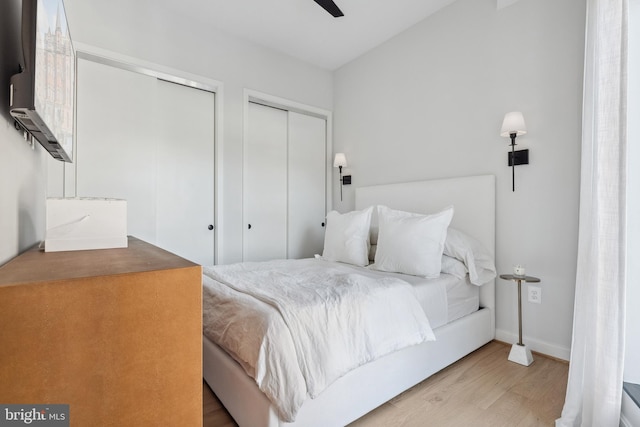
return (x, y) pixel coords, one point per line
(594, 388)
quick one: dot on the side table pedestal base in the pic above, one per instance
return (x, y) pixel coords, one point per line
(521, 354)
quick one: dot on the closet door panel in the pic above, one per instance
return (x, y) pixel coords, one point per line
(265, 187)
(306, 192)
(115, 153)
(185, 182)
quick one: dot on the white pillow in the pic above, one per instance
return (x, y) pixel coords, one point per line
(346, 238)
(411, 243)
(450, 265)
(476, 257)
(453, 266)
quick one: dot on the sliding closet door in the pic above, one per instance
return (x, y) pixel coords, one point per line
(152, 143)
(116, 154)
(306, 189)
(185, 166)
(265, 186)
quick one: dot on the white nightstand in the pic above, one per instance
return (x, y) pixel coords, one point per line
(519, 352)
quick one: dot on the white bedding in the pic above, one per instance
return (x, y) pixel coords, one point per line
(262, 314)
(445, 298)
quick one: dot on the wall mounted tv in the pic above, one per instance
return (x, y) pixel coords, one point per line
(42, 95)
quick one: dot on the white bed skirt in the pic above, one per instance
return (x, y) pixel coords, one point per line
(357, 392)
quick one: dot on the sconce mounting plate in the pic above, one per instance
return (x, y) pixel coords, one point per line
(521, 157)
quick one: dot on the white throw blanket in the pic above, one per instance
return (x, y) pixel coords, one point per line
(298, 325)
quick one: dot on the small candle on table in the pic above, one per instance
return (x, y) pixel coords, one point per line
(518, 270)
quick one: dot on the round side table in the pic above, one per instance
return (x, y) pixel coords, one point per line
(520, 353)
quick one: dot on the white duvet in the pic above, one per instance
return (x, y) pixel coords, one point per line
(298, 325)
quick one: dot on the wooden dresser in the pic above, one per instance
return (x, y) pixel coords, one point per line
(114, 333)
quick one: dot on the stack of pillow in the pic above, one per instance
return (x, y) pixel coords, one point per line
(408, 243)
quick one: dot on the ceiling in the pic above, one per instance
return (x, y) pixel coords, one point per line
(302, 29)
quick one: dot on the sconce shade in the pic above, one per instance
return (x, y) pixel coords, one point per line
(513, 123)
(340, 160)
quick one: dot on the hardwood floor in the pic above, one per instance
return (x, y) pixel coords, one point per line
(213, 413)
(483, 389)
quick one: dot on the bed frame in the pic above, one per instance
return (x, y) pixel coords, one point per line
(373, 384)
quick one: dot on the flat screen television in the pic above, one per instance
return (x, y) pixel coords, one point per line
(42, 95)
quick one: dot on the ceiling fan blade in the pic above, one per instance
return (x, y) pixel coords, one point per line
(330, 7)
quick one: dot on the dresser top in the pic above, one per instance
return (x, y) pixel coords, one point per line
(35, 265)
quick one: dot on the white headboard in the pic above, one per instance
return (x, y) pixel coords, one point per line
(473, 199)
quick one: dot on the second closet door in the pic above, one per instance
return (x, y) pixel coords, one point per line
(306, 185)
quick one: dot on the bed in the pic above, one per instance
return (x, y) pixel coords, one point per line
(366, 387)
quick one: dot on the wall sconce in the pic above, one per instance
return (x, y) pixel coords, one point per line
(339, 162)
(512, 126)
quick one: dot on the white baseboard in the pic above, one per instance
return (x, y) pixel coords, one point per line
(630, 414)
(543, 347)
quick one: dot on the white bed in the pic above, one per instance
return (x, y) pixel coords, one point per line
(374, 383)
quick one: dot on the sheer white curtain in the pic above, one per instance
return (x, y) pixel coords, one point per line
(594, 389)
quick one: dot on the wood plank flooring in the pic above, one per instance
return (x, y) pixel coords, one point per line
(482, 389)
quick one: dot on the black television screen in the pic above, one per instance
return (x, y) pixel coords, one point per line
(43, 94)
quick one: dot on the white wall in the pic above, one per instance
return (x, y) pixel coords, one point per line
(429, 103)
(22, 192)
(144, 30)
(23, 170)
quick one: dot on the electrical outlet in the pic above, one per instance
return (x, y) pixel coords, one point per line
(535, 294)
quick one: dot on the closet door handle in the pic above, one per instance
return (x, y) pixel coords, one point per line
(249, 226)
(210, 227)
(322, 224)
